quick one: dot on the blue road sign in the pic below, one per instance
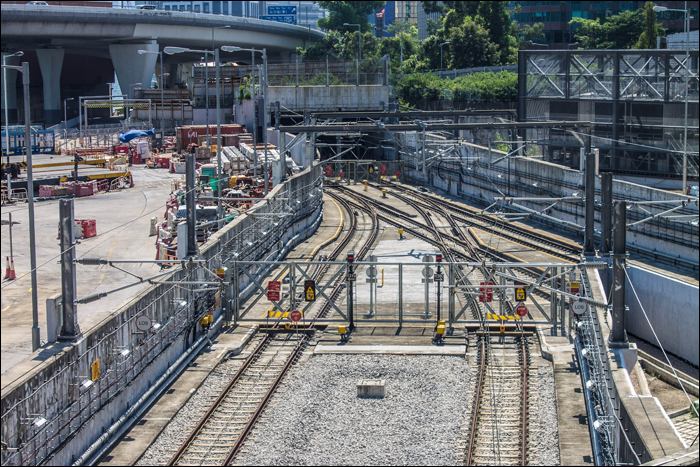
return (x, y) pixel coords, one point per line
(280, 19)
(281, 10)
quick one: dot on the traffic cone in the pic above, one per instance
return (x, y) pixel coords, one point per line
(10, 270)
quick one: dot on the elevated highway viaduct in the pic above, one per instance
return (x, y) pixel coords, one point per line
(74, 51)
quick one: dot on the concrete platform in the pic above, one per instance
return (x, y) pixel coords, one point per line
(123, 221)
(391, 349)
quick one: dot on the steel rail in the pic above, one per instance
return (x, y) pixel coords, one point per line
(302, 343)
(499, 256)
(475, 405)
(523, 434)
(485, 223)
(193, 435)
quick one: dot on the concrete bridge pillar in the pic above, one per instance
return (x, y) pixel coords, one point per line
(11, 90)
(132, 67)
(51, 64)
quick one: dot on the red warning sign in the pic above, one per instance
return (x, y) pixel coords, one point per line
(295, 315)
(273, 291)
(485, 292)
(382, 170)
(398, 174)
(521, 310)
(329, 171)
(341, 174)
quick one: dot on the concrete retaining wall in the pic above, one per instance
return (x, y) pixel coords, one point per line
(330, 98)
(77, 414)
(672, 307)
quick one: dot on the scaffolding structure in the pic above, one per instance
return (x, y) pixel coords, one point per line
(634, 98)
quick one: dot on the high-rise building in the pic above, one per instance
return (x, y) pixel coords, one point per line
(423, 18)
(555, 16)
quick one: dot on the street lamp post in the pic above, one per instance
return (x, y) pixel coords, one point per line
(359, 33)
(19, 53)
(444, 43)
(228, 48)
(176, 50)
(228, 26)
(30, 198)
(162, 109)
(686, 26)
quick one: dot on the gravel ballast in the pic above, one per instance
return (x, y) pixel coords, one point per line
(543, 427)
(320, 420)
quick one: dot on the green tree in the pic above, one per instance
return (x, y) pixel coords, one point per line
(471, 46)
(392, 46)
(531, 33)
(405, 26)
(340, 13)
(495, 18)
(464, 8)
(617, 32)
(652, 29)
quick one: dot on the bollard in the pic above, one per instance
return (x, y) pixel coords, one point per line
(365, 182)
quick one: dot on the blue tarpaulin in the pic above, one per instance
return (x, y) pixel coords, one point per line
(131, 134)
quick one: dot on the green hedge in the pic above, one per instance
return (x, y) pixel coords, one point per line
(483, 86)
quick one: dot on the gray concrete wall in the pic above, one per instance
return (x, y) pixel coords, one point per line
(76, 415)
(673, 310)
(328, 98)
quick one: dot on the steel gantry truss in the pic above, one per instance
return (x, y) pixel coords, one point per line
(545, 284)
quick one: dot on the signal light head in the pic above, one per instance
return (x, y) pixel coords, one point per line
(351, 256)
(438, 258)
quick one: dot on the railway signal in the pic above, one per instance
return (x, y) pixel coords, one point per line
(520, 292)
(310, 291)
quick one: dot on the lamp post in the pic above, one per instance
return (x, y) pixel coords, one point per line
(19, 53)
(229, 48)
(359, 33)
(686, 26)
(444, 43)
(177, 50)
(228, 26)
(160, 54)
(30, 197)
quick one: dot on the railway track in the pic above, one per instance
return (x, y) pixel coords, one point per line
(497, 433)
(461, 246)
(514, 233)
(222, 430)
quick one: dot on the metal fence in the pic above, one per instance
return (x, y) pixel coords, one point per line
(44, 415)
(305, 72)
